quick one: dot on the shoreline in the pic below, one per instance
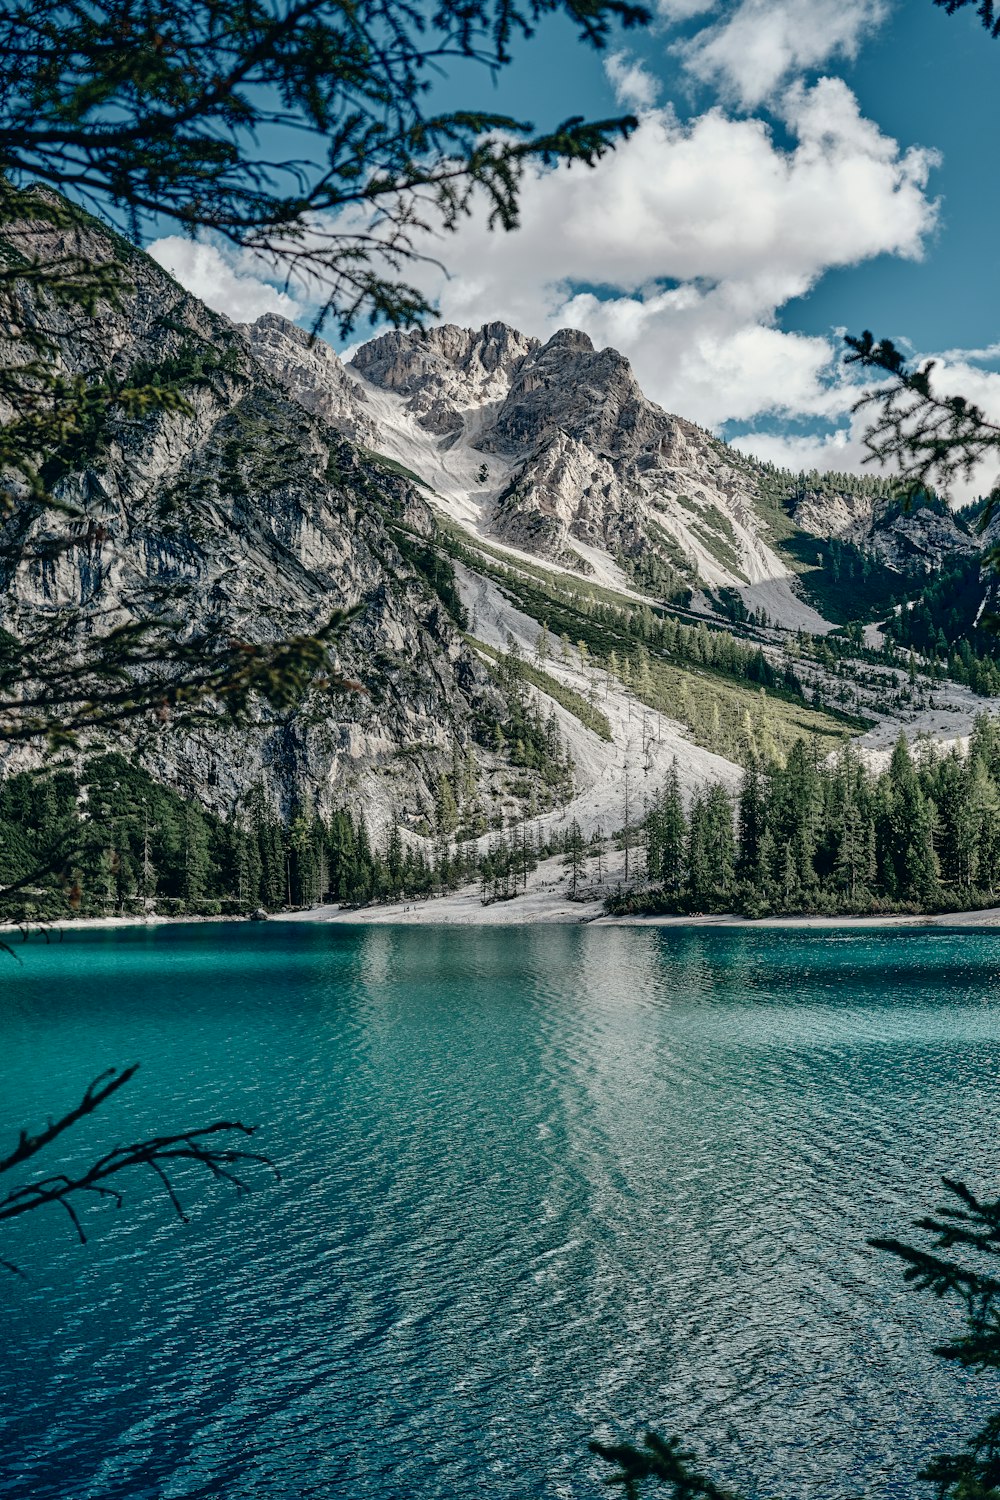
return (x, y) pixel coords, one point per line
(984, 917)
(462, 910)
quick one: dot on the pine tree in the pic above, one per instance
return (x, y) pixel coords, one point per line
(791, 886)
(249, 869)
(699, 864)
(908, 858)
(576, 850)
(721, 840)
(672, 831)
(197, 863)
(751, 825)
(446, 806)
(797, 795)
(983, 809)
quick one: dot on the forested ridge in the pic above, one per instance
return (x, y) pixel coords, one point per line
(108, 840)
(827, 835)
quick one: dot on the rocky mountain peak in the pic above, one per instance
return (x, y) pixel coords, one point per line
(581, 467)
(571, 340)
(446, 356)
(310, 371)
(567, 385)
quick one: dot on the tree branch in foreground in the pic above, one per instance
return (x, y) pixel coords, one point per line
(160, 1153)
(925, 436)
(662, 1460)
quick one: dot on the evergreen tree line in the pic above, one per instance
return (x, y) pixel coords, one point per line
(109, 840)
(828, 835)
(645, 656)
(785, 489)
(609, 628)
(949, 626)
(810, 481)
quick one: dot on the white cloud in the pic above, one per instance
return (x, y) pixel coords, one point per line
(219, 281)
(695, 235)
(634, 86)
(761, 44)
(680, 249)
(955, 373)
(684, 10)
(702, 357)
(842, 451)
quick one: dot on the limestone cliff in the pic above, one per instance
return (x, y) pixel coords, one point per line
(250, 516)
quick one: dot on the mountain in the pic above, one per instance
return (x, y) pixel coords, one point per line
(581, 468)
(310, 371)
(553, 450)
(559, 585)
(266, 519)
(907, 540)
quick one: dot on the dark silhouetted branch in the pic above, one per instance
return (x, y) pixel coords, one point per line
(160, 1153)
(102, 1088)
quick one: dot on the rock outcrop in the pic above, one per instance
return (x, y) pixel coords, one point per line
(582, 463)
(904, 540)
(309, 370)
(585, 460)
(248, 515)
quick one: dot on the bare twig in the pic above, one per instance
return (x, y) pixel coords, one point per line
(102, 1088)
(160, 1153)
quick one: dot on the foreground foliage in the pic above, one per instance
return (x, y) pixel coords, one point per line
(99, 1182)
(959, 1261)
(301, 133)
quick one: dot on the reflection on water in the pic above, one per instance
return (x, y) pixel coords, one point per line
(538, 1185)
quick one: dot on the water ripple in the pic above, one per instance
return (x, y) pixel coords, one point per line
(537, 1186)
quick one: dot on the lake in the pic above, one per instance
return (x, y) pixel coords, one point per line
(539, 1184)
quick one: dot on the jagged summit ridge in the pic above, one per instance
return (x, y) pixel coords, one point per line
(446, 371)
(566, 385)
(583, 469)
(404, 362)
(311, 372)
(553, 448)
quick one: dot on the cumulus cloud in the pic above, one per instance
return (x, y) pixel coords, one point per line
(634, 86)
(220, 281)
(759, 45)
(684, 10)
(842, 450)
(956, 373)
(682, 247)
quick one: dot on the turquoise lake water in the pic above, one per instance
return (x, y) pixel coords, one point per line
(538, 1185)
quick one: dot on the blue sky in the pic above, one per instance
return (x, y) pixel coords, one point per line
(927, 79)
(801, 166)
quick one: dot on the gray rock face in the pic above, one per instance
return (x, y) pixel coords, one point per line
(919, 541)
(472, 367)
(848, 517)
(912, 541)
(262, 521)
(567, 386)
(309, 370)
(586, 457)
(446, 373)
(588, 464)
